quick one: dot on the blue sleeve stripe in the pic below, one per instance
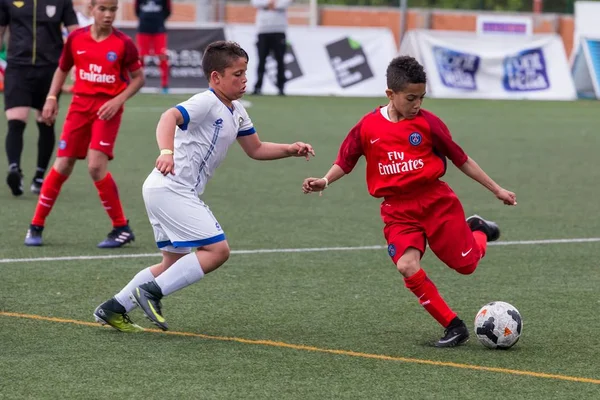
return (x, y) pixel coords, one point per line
(186, 117)
(246, 132)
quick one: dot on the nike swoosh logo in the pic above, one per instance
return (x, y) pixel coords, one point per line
(104, 143)
(156, 315)
(449, 340)
(81, 52)
(373, 141)
(465, 253)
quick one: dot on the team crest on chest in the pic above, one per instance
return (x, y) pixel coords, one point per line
(18, 4)
(415, 138)
(111, 56)
(50, 11)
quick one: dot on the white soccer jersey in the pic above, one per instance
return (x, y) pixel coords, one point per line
(202, 141)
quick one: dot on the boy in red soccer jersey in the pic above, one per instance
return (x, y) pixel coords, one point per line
(406, 149)
(151, 34)
(108, 73)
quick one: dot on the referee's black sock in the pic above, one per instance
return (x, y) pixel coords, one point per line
(45, 148)
(14, 142)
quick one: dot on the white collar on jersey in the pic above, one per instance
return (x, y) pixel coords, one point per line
(384, 112)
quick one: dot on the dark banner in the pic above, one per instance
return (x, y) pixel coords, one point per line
(185, 49)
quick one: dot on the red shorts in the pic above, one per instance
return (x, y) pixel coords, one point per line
(83, 129)
(435, 216)
(152, 44)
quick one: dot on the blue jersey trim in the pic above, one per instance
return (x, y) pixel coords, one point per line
(246, 132)
(193, 243)
(230, 109)
(163, 244)
(186, 117)
(201, 242)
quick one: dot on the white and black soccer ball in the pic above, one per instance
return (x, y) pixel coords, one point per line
(498, 325)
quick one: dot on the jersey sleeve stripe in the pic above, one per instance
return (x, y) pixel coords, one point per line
(186, 117)
(246, 132)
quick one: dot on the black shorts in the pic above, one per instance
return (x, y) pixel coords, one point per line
(27, 85)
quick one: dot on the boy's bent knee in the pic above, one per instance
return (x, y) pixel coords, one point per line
(467, 269)
(410, 262)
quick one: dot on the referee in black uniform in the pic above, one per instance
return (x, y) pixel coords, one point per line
(34, 49)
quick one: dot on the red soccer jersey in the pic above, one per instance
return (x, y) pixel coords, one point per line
(401, 156)
(101, 67)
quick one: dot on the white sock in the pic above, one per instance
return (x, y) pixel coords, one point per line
(139, 279)
(183, 273)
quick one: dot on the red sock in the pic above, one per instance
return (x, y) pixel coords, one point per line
(109, 195)
(164, 72)
(481, 240)
(429, 297)
(48, 195)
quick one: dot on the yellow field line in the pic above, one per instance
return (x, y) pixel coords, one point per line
(321, 350)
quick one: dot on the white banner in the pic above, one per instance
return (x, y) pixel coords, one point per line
(324, 61)
(464, 65)
(587, 15)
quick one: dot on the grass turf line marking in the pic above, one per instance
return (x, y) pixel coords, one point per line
(348, 353)
(296, 250)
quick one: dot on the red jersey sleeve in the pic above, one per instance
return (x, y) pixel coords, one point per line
(131, 59)
(442, 140)
(66, 61)
(350, 150)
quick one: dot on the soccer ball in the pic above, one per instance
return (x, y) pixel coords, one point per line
(498, 325)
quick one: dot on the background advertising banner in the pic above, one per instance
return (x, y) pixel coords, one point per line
(465, 65)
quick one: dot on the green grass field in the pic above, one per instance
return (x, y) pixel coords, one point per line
(316, 324)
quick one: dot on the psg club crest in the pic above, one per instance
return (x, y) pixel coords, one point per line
(111, 56)
(415, 138)
(392, 250)
(50, 11)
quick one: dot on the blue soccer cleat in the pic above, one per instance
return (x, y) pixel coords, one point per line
(34, 235)
(118, 237)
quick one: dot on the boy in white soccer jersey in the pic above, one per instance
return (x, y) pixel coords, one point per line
(193, 139)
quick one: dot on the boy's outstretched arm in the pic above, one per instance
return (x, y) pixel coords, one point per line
(258, 150)
(474, 171)
(318, 184)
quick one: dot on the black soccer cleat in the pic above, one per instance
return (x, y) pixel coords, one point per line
(490, 228)
(148, 296)
(36, 185)
(14, 180)
(455, 334)
(118, 237)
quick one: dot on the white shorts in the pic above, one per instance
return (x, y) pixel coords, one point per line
(180, 220)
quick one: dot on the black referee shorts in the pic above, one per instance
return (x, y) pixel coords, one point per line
(27, 85)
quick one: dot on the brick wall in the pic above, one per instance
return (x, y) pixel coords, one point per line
(374, 16)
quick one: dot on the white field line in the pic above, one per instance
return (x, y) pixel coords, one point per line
(296, 250)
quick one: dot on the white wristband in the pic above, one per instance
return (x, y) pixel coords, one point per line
(326, 182)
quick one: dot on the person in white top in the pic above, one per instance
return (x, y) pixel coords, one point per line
(193, 139)
(84, 16)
